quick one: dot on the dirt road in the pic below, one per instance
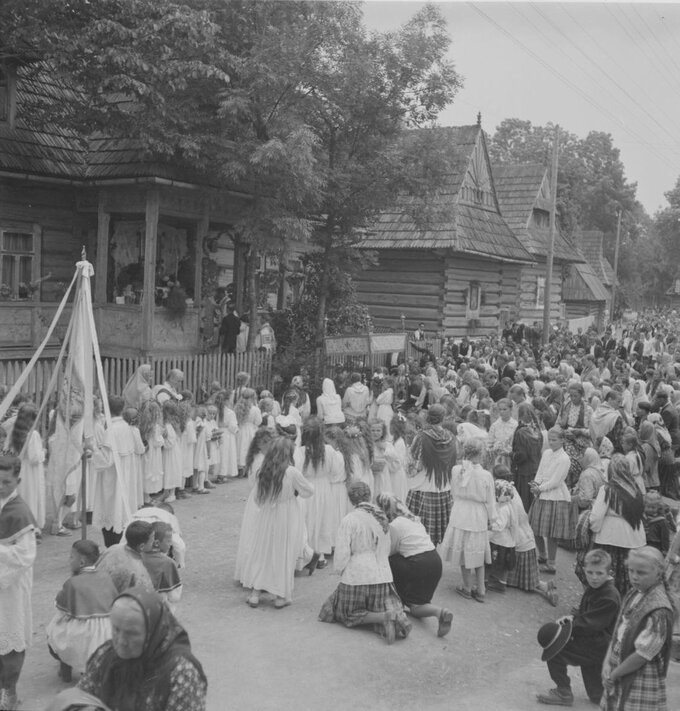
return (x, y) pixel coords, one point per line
(267, 659)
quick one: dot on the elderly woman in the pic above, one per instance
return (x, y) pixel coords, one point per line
(416, 565)
(574, 419)
(590, 481)
(550, 512)
(366, 594)
(607, 421)
(147, 664)
(616, 519)
(139, 388)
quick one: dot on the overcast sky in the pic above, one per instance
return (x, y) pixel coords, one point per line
(587, 66)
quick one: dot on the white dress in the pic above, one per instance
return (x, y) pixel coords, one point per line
(228, 445)
(398, 481)
(32, 485)
(201, 449)
(246, 432)
(152, 461)
(321, 509)
(383, 461)
(385, 411)
(172, 459)
(278, 538)
(188, 445)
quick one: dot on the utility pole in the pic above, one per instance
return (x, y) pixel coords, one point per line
(551, 246)
(616, 266)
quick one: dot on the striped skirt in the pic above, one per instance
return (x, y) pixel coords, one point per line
(552, 519)
(525, 573)
(350, 603)
(434, 510)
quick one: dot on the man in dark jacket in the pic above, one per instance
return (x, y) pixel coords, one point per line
(229, 330)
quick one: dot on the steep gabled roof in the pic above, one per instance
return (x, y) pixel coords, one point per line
(461, 226)
(583, 284)
(518, 187)
(590, 243)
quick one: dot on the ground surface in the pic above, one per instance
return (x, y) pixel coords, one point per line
(285, 659)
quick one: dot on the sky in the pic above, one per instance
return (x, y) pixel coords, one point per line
(612, 67)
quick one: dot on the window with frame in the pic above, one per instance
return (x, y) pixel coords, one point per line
(540, 292)
(17, 261)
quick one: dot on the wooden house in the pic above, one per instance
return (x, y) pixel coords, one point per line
(141, 222)
(457, 273)
(525, 200)
(588, 290)
(673, 294)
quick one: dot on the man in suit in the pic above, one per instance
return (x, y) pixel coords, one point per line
(229, 330)
(595, 348)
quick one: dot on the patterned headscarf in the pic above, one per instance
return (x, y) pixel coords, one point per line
(505, 491)
(622, 494)
(359, 495)
(393, 507)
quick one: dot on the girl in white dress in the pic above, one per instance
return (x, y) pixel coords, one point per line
(279, 532)
(398, 480)
(172, 450)
(384, 457)
(188, 437)
(341, 479)
(29, 448)
(226, 421)
(248, 418)
(384, 402)
(201, 463)
(151, 430)
(321, 464)
(361, 454)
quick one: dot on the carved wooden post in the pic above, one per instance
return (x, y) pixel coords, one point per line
(150, 247)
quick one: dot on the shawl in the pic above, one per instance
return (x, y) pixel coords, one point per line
(162, 570)
(623, 496)
(75, 698)
(328, 389)
(564, 415)
(137, 390)
(435, 449)
(16, 519)
(165, 644)
(654, 599)
(377, 514)
(505, 491)
(647, 435)
(88, 594)
(603, 420)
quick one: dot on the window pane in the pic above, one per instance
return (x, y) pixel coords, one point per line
(26, 269)
(17, 242)
(8, 272)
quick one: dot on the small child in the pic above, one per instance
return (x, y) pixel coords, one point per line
(188, 439)
(502, 537)
(201, 462)
(213, 437)
(226, 421)
(151, 431)
(172, 450)
(592, 625)
(81, 623)
(248, 418)
(123, 561)
(162, 568)
(657, 530)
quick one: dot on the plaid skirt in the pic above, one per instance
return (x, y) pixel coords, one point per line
(525, 573)
(552, 519)
(434, 510)
(350, 603)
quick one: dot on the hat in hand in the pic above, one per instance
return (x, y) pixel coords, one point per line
(553, 636)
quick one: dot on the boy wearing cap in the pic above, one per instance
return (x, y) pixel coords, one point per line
(582, 639)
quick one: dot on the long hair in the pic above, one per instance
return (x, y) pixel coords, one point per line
(313, 442)
(22, 426)
(221, 400)
(171, 415)
(290, 398)
(622, 494)
(245, 402)
(278, 458)
(337, 438)
(259, 444)
(149, 417)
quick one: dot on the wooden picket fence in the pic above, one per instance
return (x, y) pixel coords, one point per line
(199, 371)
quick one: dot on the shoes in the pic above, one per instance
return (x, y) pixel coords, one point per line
(556, 697)
(202, 491)
(496, 585)
(390, 627)
(550, 594)
(467, 594)
(253, 600)
(209, 485)
(221, 479)
(542, 561)
(8, 701)
(445, 620)
(170, 499)
(549, 569)
(313, 563)
(64, 532)
(478, 597)
(182, 494)
(322, 564)
(280, 603)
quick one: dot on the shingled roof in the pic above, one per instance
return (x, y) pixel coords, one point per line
(590, 244)
(583, 284)
(518, 187)
(472, 229)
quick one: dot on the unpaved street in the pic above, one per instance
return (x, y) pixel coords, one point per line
(285, 659)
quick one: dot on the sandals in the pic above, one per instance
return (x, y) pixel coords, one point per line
(253, 600)
(550, 594)
(463, 592)
(445, 620)
(322, 564)
(478, 597)
(549, 569)
(280, 603)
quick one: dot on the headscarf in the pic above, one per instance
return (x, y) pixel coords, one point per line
(602, 421)
(505, 491)
(642, 392)
(137, 390)
(394, 507)
(606, 448)
(622, 494)
(647, 435)
(435, 448)
(328, 389)
(359, 495)
(591, 460)
(165, 644)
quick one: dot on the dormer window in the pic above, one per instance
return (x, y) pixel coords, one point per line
(7, 95)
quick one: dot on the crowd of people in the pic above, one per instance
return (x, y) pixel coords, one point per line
(490, 457)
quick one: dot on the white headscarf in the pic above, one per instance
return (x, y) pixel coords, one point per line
(138, 390)
(328, 389)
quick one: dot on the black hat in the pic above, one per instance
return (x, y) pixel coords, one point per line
(553, 636)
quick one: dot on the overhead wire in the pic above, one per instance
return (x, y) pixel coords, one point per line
(655, 37)
(572, 85)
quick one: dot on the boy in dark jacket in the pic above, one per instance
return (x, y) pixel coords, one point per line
(592, 626)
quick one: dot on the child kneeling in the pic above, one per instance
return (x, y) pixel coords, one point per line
(591, 628)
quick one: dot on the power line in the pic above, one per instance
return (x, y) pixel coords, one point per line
(655, 37)
(569, 83)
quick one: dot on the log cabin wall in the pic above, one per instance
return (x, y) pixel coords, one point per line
(459, 272)
(529, 309)
(509, 304)
(409, 282)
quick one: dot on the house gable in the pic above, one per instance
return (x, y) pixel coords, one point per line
(477, 188)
